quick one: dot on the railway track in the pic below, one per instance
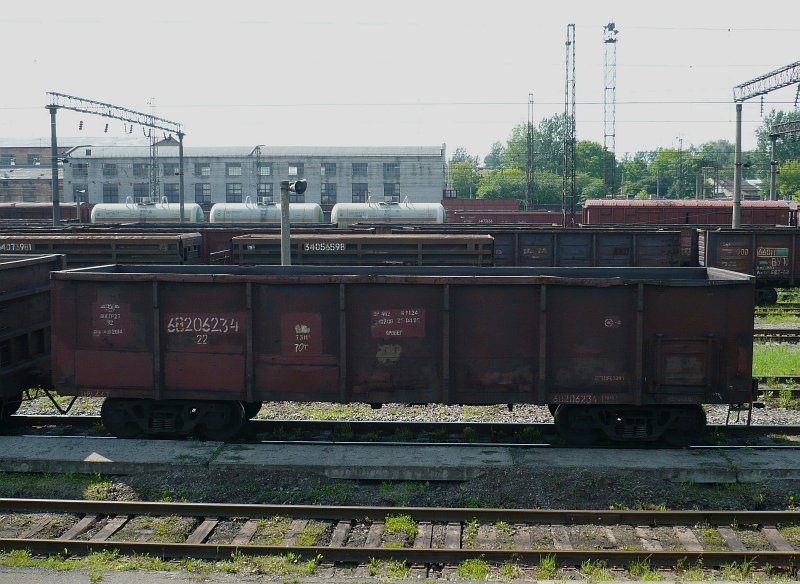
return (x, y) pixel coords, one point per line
(776, 335)
(782, 309)
(427, 538)
(326, 431)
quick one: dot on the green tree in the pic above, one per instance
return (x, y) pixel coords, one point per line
(785, 149)
(461, 155)
(635, 176)
(789, 180)
(466, 179)
(589, 158)
(547, 140)
(493, 159)
(504, 183)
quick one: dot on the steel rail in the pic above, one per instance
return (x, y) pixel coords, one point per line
(411, 555)
(444, 514)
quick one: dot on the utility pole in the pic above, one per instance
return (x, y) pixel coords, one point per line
(610, 107)
(761, 85)
(569, 174)
(529, 155)
(107, 110)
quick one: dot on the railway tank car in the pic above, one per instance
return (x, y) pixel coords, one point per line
(249, 212)
(346, 214)
(146, 212)
(195, 349)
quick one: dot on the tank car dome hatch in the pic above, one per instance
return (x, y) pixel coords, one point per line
(263, 212)
(146, 212)
(344, 214)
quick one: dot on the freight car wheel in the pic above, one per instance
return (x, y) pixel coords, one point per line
(576, 424)
(251, 409)
(688, 426)
(220, 420)
(119, 416)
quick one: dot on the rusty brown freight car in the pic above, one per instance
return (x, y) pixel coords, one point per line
(358, 249)
(188, 349)
(683, 212)
(771, 255)
(24, 325)
(82, 249)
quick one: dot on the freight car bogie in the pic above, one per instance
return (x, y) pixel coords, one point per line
(9, 406)
(578, 424)
(211, 420)
(766, 295)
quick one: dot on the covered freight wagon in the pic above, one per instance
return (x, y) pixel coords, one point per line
(682, 212)
(24, 325)
(187, 349)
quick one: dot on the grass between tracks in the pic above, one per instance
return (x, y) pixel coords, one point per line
(776, 359)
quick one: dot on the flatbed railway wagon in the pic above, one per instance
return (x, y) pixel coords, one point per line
(90, 249)
(359, 249)
(24, 325)
(771, 255)
(196, 349)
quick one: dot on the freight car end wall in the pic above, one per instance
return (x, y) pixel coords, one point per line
(163, 341)
(24, 325)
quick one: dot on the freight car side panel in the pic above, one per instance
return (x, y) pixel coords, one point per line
(705, 355)
(394, 343)
(104, 337)
(594, 363)
(296, 343)
(494, 340)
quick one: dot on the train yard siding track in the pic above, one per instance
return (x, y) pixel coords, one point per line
(391, 431)
(776, 335)
(428, 535)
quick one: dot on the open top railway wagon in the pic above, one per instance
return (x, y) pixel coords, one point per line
(24, 325)
(195, 349)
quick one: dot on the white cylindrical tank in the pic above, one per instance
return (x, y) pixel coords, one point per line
(249, 212)
(145, 212)
(345, 214)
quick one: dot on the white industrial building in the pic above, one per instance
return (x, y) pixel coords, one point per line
(113, 174)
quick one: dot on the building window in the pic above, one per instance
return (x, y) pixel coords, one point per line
(170, 169)
(34, 160)
(7, 160)
(109, 170)
(391, 192)
(110, 193)
(141, 169)
(360, 192)
(360, 169)
(233, 169)
(141, 191)
(391, 170)
(172, 192)
(80, 193)
(296, 170)
(264, 169)
(265, 192)
(80, 169)
(202, 193)
(327, 169)
(328, 194)
(202, 169)
(297, 198)
(233, 192)
(29, 193)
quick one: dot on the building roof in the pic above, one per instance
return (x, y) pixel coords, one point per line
(66, 143)
(118, 151)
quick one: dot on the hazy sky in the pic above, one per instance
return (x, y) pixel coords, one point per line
(379, 73)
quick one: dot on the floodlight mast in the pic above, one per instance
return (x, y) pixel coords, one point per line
(761, 85)
(98, 108)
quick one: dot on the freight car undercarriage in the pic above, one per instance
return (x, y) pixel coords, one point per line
(576, 424)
